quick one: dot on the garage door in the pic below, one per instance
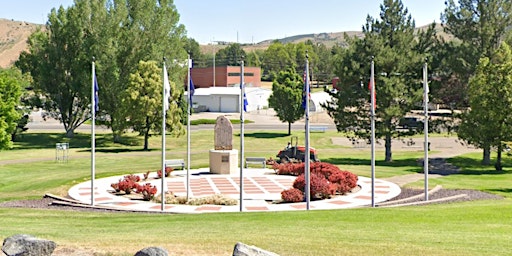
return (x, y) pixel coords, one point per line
(229, 104)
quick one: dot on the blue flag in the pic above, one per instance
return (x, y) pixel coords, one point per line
(245, 103)
(96, 98)
(192, 90)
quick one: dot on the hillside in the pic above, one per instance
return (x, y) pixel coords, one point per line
(14, 34)
(13, 40)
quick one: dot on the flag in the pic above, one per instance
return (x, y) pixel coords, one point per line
(96, 98)
(370, 85)
(306, 91)
(167, 89)
(192, 90)
(245, 103)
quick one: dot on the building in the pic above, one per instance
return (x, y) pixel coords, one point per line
(227, 99)
(228, 76)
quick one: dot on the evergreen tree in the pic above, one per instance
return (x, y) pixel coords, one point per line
(398, 60)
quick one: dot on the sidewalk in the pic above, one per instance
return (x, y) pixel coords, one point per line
(261, 187)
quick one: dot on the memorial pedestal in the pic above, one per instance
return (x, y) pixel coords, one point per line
(224, 162)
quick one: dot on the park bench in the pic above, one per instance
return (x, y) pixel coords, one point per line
(175, 163)
(317, 128)
(255, 160)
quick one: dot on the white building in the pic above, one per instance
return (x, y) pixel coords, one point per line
(227, 99)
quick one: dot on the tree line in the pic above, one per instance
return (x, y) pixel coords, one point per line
(467, 72)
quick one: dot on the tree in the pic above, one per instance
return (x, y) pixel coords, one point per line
(275, 59)
(119, 33)
(488, 121)
(398, 60)
(143, 102)
(229, 56)
(286, 97)
(480, 26)
(10, 93)
(57, 64)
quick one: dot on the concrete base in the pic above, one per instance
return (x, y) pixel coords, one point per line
(224, 162)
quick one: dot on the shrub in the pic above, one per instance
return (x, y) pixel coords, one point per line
(344, 181)
(294, 169)
(127, 185)
(319, 186)
(168, 171)
(292, 195)
(147, 190)
(134, 178)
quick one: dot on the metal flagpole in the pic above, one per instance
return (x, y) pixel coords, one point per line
(242, 104)
(372, 116)
(93, 131)
(307, 174)
(425, 110)
(188, 126)
(164, 109)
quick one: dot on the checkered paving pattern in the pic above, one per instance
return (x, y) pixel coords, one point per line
(260, 188)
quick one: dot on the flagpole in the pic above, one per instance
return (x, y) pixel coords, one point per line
(307, 174)
(188, 125)
(242, 104)
(164, 109)
(425, 127)
(93, 131)
(372, 116)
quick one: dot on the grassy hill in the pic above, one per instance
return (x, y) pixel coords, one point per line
(13, 40)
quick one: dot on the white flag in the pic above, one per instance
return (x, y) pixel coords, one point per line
(167, 89)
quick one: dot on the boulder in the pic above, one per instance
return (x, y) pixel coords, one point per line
(242, 249)
(152, 251)
(27, 245)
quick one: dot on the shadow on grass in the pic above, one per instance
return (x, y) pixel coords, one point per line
(410, 162)
(503, 190)
(80, 140)
(264, 135)
(472, 166)
(117, 150)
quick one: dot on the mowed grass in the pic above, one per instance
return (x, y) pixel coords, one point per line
(471, 228)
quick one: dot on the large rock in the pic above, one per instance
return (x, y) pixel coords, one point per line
(152, 251)
(27, 245)
(242, 249)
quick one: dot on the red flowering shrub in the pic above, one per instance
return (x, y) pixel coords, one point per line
(127, 185)
(132, 177)
(319, 186)
(292, 195)
(294, 169)
(326, 179)
(147, 190)
(168, 171)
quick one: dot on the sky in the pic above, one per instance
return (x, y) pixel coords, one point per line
(253, 21)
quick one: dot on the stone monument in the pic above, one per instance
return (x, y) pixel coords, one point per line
(223, 158)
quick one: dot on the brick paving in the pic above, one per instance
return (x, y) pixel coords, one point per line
(262, 187)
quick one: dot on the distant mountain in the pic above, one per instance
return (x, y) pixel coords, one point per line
(14, 35)
(13, 40)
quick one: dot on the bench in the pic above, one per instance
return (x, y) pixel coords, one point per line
(175, 163)
(256, 160)
(317, 128)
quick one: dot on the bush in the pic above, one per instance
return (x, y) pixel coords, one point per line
(147, 190)
(326, 179)
(292, 195)
(134, 178)
(319, 186)
(127, 185)
(168, 171)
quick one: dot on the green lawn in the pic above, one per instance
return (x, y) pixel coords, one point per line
(470, 228)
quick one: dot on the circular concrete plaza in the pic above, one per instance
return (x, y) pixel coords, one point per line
(261, 187)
